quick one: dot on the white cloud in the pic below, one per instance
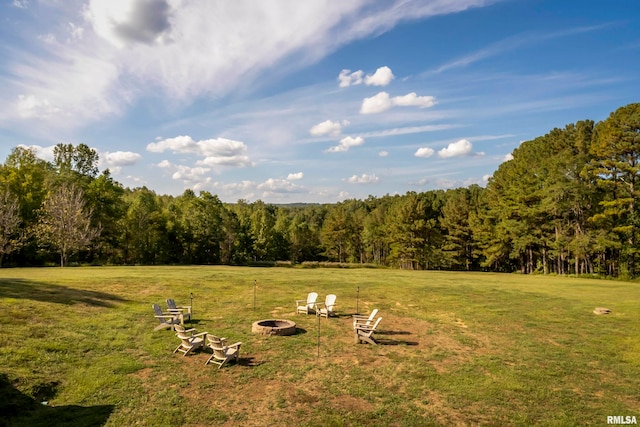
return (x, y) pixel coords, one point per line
(222, 147)
(272, 185)
(381, 77)
(407, 130)
(125, 22)
(122, 158)
(195, 177)
(183, 50)
(64, 89)
(328, 127)
(246, 189)
(420, 182)
(382, 102)
(44, 153)
(376, 104)
(21, 4)
(456, 149)
(235, 187)
(77, 32)
(413, 100)
(207, 147)
(48, 38)
(346, 143)
(179, 144)
(113, 160)
(189, 174)
(128, 49)
(507, 157)
(424, 152)
(295, 176)
(383, 153)
(447, 183)
(135, 180)
(472, 181)
(236, 161)
(347, 78)
(363, 179)
(30, 106)
(209, 49)
(216, 152)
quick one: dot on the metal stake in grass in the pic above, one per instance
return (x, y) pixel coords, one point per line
(358, 300)
(191, 315)
(318, 336)
(255, 284)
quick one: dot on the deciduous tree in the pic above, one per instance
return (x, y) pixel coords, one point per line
(10, 220)
(65, 223)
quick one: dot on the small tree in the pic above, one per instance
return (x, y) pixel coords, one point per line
(10, 238)
(65, 222)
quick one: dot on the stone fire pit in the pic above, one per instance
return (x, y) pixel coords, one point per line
(274, 327)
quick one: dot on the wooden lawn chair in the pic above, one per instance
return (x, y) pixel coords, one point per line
(364, 320)
(222, 353)
(326, 308)
(364, 332)
(308, 305)
(190, 342)
(185, 310)
(167, 320)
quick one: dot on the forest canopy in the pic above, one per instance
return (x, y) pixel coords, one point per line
(566, 203)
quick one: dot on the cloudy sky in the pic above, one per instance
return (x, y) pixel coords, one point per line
(308, 101)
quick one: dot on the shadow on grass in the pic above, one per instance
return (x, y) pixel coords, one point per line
(383, 332)
(46, 292)
(388, 341)
(353, 314)
(18, 409)
(385, 341)
(249, 361)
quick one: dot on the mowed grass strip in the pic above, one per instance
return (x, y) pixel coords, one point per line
(455, 348)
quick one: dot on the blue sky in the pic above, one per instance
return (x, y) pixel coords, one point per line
(308, 101)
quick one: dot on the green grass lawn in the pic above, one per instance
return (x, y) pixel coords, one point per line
(455, 348)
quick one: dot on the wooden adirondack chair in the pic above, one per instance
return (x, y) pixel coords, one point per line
(167, 320)
(364, 332)
(307, 306)
(326, 308)
(189, 342)
(185, 310)
(364, 320)
(222, 353)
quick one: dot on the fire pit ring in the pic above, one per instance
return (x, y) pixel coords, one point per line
(274, 327)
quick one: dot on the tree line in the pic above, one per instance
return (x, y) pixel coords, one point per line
(565, 203)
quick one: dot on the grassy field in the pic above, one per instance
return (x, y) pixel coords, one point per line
(455, 349)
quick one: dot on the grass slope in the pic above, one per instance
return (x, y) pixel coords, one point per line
(455, 348)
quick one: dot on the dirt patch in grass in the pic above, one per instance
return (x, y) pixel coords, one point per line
(442, 345)
(256, 402)
(280, 380)
(241, 395)
(143, 374)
